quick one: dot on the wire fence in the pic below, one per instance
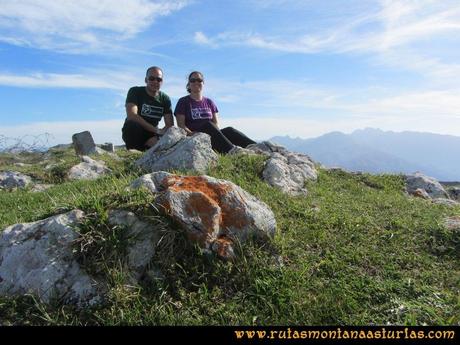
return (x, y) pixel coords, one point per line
(27, 143)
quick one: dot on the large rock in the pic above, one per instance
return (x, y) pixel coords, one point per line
(83, 143)
(37, 258)
(285, 170)
(142, 238)
(13, 180)
(89, 169)
(176, 151)
(420, 181)
(214, 213)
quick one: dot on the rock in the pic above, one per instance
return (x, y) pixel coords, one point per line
(454, 193)
(238, 150)
(420, 181)
(142, 240)
(40, 187)
(14, 179)
(214, 213)
(83, 143)
(108, 147)
(446, 202)
(89, 169)
(421, 193)
(176, 151)
(37, 258)
(267, 148)
(285, 170)
(452, 223)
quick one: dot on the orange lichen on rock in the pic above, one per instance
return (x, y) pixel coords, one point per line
(232, 216)
(213, 212)
(223, 246)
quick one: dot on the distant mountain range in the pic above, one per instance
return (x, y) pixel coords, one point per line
(376, 151)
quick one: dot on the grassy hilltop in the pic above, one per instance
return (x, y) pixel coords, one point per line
(355, 251)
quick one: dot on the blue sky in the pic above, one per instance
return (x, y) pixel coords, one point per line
(286, 67)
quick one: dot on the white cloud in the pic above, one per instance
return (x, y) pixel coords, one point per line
(397, 23)
(73, 26)
(61, 132)
(400, 30)
(201, 38)
(119, 81)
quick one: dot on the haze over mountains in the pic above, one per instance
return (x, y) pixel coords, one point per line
(376, 151)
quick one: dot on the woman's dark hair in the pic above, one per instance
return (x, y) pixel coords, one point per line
(188, 80)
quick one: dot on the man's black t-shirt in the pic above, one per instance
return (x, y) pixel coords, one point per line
(152, 109)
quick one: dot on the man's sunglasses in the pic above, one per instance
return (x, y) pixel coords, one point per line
(158, 79)
(194, 80)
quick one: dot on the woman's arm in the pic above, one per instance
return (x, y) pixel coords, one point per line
(215, 119)
(181, 123)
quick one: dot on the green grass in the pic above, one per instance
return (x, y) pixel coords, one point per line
(356, 250)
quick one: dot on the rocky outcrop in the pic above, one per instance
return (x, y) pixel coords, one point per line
(37, 258)
(176, 151)
(13, 179)
(430, 185)
(285, 170)
(214, 213)
(89, 169)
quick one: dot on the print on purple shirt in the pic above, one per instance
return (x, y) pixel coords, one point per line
(201, 113)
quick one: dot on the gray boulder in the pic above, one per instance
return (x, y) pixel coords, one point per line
(83, 143)
(420, 181)
(37, 258)
(285, 170)
(89, 169)
(176, 151)
(13, 180)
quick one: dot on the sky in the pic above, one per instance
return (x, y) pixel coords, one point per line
(301, 68)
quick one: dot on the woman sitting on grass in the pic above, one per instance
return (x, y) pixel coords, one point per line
(196, 113)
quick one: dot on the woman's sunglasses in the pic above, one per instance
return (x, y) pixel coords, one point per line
(195, 80)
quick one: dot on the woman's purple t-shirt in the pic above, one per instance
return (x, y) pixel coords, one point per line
(196, 112)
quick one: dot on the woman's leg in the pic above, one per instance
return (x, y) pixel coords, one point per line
(135, 136)
(218, 140)
(236, 137)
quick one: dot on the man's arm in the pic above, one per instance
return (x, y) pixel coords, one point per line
(181, 123)
(169, 121)
(131, 113)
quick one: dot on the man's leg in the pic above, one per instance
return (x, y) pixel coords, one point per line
(135, 136)
(218, 141)
(236, 137)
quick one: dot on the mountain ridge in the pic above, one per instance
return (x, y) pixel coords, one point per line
(377, 151)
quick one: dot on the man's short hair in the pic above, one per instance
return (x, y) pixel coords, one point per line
(153, 67)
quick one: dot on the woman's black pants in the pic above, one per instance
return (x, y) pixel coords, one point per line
(223, 140)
